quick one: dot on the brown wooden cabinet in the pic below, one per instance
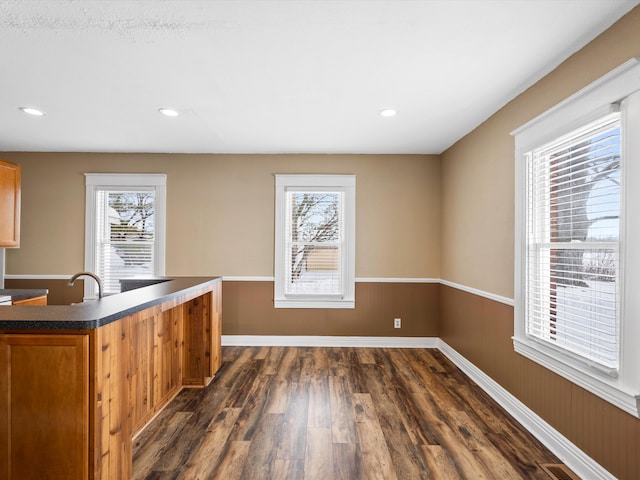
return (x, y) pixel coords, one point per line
(41, 300)
(9, 204)
(44, 388)
(72, 401)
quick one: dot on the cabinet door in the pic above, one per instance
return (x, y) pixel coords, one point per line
(9, 204)
(44, 396)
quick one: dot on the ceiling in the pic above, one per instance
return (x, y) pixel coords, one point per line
(275, 76)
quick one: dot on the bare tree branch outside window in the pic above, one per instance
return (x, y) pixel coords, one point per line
(584, 169)
(314, 229)
(135, 224)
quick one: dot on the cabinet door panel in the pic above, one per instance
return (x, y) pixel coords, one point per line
(9, 204)
(44, 395)
(168, 352)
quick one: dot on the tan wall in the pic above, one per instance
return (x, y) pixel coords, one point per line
(220, 210)
(478, 171)
(477, 238)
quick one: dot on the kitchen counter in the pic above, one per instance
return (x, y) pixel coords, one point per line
(79, 382)
(20, 293)
(96, 313)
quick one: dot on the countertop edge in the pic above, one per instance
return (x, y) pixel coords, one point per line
(97, 313)
(21, 293)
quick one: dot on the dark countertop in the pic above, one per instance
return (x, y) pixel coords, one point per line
(20, 293)
(96, 313)
(127, 284)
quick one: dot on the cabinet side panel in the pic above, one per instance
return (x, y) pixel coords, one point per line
(169, 370)
(216, 338)
(197, 341)
(113, 391)
(141, 369)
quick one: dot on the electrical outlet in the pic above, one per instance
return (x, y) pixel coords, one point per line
(397, 323)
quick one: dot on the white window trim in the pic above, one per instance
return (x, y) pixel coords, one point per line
(347, 184)
(113, 181)
(589, 104)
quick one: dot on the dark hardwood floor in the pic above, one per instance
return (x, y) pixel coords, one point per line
(337, 413)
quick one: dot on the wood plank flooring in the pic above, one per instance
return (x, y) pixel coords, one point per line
(337, 413)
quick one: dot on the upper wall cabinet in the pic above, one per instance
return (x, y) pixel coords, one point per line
(9, 204)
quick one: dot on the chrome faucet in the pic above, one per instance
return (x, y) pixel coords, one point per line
(89, 274)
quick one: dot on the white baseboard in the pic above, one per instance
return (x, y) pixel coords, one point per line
(328, 341)
(571, 455)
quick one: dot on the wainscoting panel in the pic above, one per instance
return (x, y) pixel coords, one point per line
(248, 310)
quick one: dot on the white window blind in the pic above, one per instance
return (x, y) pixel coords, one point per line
(314, 243)
(125, 235)
(573, 230)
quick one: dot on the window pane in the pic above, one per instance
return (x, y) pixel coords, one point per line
(131, 215)
(577, 313)
(314, 237)
(126, 236)
(584, 185)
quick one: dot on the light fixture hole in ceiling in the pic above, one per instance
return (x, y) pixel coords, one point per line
(32, 111)
(168, 112)
(388, 112)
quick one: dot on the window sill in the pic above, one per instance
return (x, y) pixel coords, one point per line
(605, 387)
(313, 303)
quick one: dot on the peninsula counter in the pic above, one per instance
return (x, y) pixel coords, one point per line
(78, 382)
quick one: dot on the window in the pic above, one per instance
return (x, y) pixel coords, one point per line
(573, 234)
(124, 232)
(576, 235)
(315, 241)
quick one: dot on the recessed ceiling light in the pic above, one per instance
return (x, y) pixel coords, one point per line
(169, 112)
(387, 112)
(32, 111)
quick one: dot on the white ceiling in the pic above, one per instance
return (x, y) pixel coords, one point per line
(275, 76)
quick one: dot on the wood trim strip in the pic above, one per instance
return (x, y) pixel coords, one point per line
(480, 293)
